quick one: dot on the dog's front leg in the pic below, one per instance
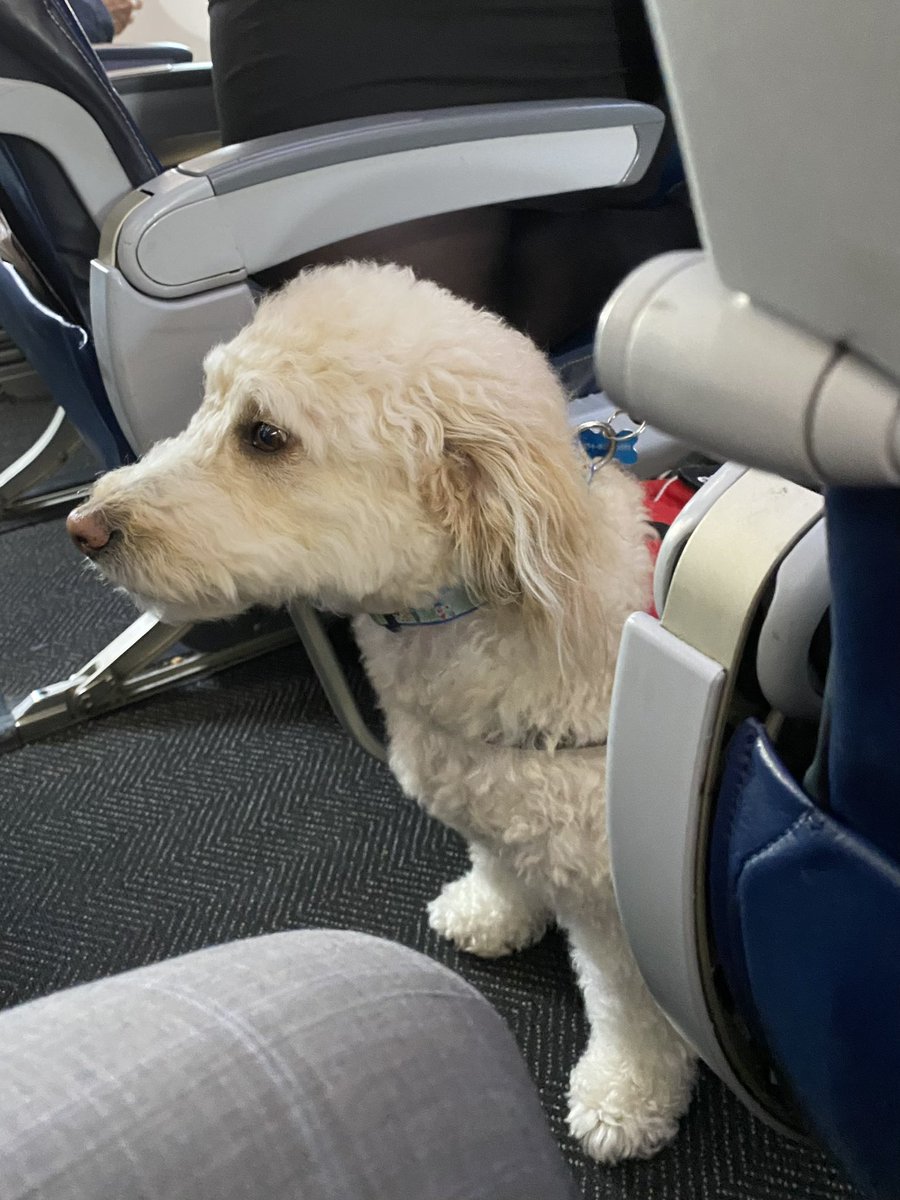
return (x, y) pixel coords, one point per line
(489, 911)
(634, 1080)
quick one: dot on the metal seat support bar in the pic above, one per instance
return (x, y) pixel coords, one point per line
(331, 675)
(42, 460)
(130, 668)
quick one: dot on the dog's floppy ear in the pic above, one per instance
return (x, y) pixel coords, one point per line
(515, 505)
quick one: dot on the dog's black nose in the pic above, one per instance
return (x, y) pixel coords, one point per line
(88, 529)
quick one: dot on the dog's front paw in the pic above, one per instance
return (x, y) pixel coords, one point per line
(484, 920)
(621, 1107)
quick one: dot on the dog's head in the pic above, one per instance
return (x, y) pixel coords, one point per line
(365, 441)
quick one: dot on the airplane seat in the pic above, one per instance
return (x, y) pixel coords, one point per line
(763, 808)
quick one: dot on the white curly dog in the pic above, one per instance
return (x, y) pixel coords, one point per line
(378, 446)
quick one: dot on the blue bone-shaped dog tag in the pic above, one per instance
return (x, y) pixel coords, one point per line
(626, 448)
(597, 445)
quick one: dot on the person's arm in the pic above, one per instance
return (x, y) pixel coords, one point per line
(122, 13)
(95, 19)
(102, 20)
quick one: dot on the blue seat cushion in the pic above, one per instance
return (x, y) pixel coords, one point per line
(63, 355)
(806, 919)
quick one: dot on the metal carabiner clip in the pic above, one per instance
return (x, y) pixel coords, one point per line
(605, 430)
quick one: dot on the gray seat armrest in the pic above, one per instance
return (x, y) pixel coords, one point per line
(172, 104)
(779, 348)
(270, 158)
(198, 227)
(175, 257)
(683, 351)
(115, 55)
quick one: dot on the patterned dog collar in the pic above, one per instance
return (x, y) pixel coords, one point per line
(448, 605)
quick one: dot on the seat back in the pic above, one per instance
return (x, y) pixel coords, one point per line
(785, 336)
(63, 355)
(68, 152)
(804, 882)
(42, 45)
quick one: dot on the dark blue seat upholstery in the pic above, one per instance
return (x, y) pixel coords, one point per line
(41, 42)
(804, 893)
(154, 54)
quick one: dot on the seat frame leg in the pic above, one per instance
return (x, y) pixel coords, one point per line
(41, 461)
(134, 666)
(321, 653)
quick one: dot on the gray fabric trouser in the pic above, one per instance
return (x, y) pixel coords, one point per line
(307, 1065)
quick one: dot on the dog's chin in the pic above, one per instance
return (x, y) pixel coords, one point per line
(187, 612)
(166, 607)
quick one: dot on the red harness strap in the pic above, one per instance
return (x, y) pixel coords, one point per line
(664, 499)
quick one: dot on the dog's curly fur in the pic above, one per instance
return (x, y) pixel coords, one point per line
(428, 446)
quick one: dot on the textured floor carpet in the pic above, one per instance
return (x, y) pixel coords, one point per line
(236, 806)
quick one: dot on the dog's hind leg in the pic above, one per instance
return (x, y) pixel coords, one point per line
(634, 1080)
(489, 911)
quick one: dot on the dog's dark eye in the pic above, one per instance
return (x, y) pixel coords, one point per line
(267, 438)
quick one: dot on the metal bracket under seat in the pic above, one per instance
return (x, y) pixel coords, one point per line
(134, 666)
(149, 658)
(51, 451)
